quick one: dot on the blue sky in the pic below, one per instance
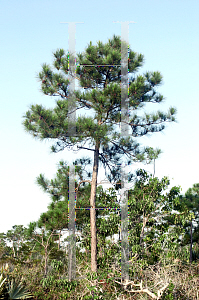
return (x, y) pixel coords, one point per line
(165, 31)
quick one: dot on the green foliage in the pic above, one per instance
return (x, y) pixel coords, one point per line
(102, 96)
(3, 290)
(148, 209)
(17, 291)
(56, 265)
(51, 282)
(173, 293)
(9, 289)
(168, 294)
(152, 153)
(187, 207)
(154, 228)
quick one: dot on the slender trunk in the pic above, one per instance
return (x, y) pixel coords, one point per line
(46, 258)
(145, 219)
(93, 211)
(191, 245)
(17, 247)
(13, 248)
(70, 268)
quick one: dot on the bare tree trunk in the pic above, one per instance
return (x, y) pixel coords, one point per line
(191, 245)
(46, 259)
(70, 260)
(93, 211)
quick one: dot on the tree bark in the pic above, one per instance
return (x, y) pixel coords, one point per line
(46, 258)
(190, 259)
(93, 211)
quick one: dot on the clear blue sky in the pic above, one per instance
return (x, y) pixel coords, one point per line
(166, 32)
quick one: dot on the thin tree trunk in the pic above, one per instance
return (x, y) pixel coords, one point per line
(93, 211)
(145, 220)
(13, 248)
(142, 231)
(70, 268)
(46, 258)
(191, 245)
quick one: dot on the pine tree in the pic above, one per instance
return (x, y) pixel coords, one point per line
(98, 132)
(57, 188)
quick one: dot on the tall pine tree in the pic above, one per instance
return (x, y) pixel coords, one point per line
(100, 96)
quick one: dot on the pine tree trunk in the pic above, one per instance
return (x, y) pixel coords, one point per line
(93, 211)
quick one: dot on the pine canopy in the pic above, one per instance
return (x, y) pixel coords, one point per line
(98, 71)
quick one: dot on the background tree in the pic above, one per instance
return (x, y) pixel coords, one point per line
(45, 240)
(99, 133)
(150, 220)
(4, 249)
(153, 154)
(58, 188)
(148, 208)
(188, 220)
(16, 236)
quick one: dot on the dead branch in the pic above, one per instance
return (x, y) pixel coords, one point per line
(143, 290)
